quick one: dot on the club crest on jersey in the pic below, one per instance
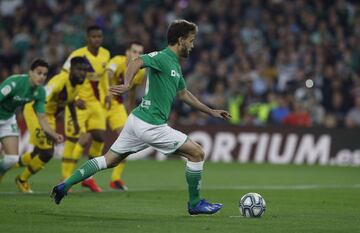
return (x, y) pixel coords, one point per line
(6, 90)
(175, 74)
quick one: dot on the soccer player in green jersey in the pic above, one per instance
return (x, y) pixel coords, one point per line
(15, 91)
(146, 125)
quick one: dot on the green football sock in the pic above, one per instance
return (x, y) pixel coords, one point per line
(86, 170)
(193, 177)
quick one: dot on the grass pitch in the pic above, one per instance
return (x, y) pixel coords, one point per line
(299, 199)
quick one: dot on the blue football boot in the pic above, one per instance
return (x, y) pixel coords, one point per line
(204, 207)
(58, 193)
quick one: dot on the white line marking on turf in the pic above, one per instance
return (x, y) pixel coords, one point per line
(240, 187)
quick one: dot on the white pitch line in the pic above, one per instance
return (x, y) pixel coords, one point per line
(290, 187)
(240, 187)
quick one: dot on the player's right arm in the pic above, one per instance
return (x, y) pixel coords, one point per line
(110, 72)
(39, 107)
(67, 64)
(58, 138)
(138, 81)
(132, 68)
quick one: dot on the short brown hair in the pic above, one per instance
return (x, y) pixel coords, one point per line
(180, 28)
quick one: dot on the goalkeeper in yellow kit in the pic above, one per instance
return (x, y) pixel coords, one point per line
(117, 114)
(61, 91)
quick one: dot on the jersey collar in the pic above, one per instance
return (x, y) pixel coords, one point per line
(171, 54)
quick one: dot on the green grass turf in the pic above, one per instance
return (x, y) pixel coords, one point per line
(299, 199)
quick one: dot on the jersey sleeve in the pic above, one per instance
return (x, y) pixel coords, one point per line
(112, 65)
(104, 80)
(67, 64)
(181, 85)
(7, 88)
(152, 60)
(53, 88)
(39, 103)
(139, 77)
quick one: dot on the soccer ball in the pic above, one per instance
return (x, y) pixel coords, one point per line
(252, 205)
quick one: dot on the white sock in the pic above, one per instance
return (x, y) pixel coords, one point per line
(101, 161)
(8, 162)
(195, 166)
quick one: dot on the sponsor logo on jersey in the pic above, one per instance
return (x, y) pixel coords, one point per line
(145, 103)
(6, 90)
(19, 98)
(175, 74)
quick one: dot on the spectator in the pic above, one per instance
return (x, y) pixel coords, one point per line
(251, 47)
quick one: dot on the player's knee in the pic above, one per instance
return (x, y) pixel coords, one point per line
(46, 155)
(84, 139)
(112, 159)
(198, 154)
(10, 160)
(98, 136)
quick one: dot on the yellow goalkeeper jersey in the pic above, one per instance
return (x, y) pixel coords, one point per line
(96, 84)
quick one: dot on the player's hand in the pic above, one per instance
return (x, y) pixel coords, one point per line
(58, 138)
(220, 114)
(80, 104)
(119, 89)
(108, 99)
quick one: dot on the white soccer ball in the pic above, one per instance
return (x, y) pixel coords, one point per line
(252, 205)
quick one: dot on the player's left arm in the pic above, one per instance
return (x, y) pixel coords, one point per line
(187, 97)
(73, 114)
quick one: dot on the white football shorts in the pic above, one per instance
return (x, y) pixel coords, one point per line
(9, 127)
(138, 135)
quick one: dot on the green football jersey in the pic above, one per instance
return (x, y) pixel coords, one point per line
(16, 91)
(165, 79)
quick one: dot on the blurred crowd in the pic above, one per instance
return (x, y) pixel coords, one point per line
(272, 62)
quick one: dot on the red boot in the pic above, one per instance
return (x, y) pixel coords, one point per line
(119, 185)
(91, 184)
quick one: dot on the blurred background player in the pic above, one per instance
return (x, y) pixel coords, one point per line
(15, 91)
(117, 114)
(61, 91)
(92, 116)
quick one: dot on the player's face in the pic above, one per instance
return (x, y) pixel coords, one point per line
(38, 75)
(95, 38)
(134, 51)
(186, 44)
(78, 73)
